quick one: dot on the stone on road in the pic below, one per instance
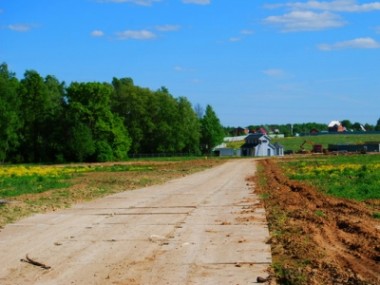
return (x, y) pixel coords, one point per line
(206, 228)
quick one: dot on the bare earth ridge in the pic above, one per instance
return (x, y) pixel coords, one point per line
(206, 228)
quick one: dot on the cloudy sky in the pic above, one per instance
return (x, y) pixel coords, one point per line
(254, 61)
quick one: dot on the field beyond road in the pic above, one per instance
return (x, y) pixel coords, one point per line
(205, 228)
(317, 238)
(31, 189)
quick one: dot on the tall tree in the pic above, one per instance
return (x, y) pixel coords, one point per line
(163, 109)
(53, 125)
(41, 108)
(347, 124)
(131, 103)
(103, 131)
(377, 127)
(188, 133)
(212, 132)
(34, 96)
(10, 121)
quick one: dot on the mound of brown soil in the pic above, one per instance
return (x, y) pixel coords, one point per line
(318, 239)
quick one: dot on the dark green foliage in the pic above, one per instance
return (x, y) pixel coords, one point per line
(105, 137)
(42, 120)
(41, 109)
(81, 144)
(212, 132)
(10, 120)
(377, 127)
(156, 121)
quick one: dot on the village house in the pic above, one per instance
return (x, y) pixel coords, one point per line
(257, 144)
(336, 127)
(260, 145)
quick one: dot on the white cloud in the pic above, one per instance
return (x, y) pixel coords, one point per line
(168, 28)
(359, 43)
(199, 2)
(274, 72)
(246, 32)
(20, 27)
(97, 33)
(234, 39)
(243, 33)
(136, 35)
(179, 68)
(337, 6)
(137, 2)
(305, 21)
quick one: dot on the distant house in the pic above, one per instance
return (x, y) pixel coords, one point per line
(259, 144)
(239, 131)
(336, 127)
(314, 131)
(262, 131)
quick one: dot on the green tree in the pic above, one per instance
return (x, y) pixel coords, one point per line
(369, 127)
(10, 122)
(163, 108)
(212, 132)
(53, 124)
(188, 133)
(347, 124)
(356, 126)
(104, 132)
(377, 127)
(34, 95)
(156, 121)
(41, 111)
(131, 103)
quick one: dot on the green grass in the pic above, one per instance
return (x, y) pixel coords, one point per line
(16, 185)
(294, 143)
(354, 176)
(32, 184)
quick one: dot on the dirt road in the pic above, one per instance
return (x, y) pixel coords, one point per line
(207, 228)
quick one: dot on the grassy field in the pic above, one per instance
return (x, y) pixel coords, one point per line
(33, 179)
(349, 176)
(28, 189)
(315, 234)
(294, 143)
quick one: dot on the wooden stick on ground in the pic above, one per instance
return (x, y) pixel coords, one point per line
(34, 262)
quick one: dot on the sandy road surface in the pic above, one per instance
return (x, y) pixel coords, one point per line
(206, 228)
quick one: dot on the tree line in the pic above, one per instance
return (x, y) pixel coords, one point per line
(43, 120)
(301, 128)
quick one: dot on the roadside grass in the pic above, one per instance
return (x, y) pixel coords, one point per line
(354, 177)
(28, 189)
(351, 176)
(19, 180)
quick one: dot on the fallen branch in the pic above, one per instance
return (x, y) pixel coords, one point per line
(34, 262)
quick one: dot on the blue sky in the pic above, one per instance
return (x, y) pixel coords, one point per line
(255, 62)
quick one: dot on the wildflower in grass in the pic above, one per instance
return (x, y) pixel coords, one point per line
(354, 177)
